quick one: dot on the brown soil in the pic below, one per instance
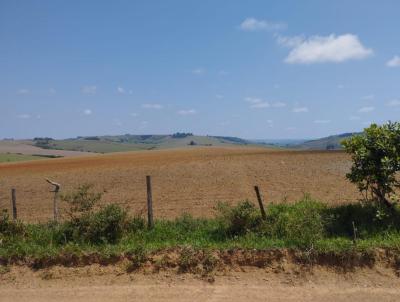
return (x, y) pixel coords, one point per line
(280, 279)
(24, 147)
(190, 181)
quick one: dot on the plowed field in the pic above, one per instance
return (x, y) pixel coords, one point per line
(186, 180)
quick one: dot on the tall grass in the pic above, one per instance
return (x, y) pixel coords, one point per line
(306, 224)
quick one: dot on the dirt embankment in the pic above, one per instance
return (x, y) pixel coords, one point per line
(238, 275)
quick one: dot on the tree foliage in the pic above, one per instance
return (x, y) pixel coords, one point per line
(376, 162)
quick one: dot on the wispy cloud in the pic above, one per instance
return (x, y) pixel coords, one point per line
(219, 96)
(394, 103)
(121, 90)
(300, 109)
(278, 104)
(91, 89)
(366, 109)
(270, 123)
(393, 62)
(322, 121)
(152, 106)
(23, 91)
(354, 118)
(186, 112)
(134, 114)
(323, 49)
(199, 71)
(257, 103)
(253, 24)
(24, 116)
(87, 112)
(52, 91)
(368, 97)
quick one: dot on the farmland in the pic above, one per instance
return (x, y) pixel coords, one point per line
(184, 180)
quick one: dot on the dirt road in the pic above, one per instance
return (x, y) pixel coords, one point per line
(253, 285)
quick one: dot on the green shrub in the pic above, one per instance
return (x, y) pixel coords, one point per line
(301, 223)
(238, 219)
(81, 201)
(137, 223)
(9, 227)
(369, 219)
(376, 162)
(107, 225)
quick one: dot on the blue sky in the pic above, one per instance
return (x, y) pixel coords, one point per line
(253, 69)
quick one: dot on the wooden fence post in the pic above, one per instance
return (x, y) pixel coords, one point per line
(55, 201)
(260, 203)
(354, 233)
(14, 203)
(149, 203)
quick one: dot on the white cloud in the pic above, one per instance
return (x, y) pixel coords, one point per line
(187, 112)
(393, 62)
(152, 106)
(290, 42)
(278, 104)
(23, 91)
(252, 24)
(89, 89)
(257, 103)
(322, 121)
(368, 97)
(199, 71)
(300, 109)
(354, 118)
(260, 105)
(24, 116)
(87, 112)
(340, 86)
(133, 114)
(322, 49)
(394, 103)
(270, 123)
(366, 109)
(121, 90)
(219, 96)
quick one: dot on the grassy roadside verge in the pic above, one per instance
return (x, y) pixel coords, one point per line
(308, 228)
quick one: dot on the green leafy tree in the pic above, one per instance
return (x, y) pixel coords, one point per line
(376, 162)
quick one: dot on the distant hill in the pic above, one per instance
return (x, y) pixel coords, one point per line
(129, 142)
(332, 142)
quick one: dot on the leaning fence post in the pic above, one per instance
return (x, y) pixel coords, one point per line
(55, 201)
(260, 203)
(14, 203)
(149, 203)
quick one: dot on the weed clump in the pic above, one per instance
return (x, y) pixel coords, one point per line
(239, 219)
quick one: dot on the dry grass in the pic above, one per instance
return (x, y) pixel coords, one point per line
(187, 180)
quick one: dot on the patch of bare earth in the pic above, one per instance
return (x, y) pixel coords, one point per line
(24, 147)
(184, 181)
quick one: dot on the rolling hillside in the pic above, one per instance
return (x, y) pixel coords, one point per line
(128, 142)
(332, 142)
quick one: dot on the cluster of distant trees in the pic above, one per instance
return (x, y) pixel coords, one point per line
(43, 142)
(182, 134)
